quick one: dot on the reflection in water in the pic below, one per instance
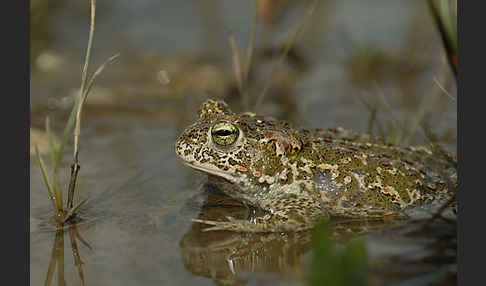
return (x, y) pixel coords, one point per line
(57, 255)
(226, 257)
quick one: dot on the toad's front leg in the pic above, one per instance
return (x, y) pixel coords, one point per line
(282, 215)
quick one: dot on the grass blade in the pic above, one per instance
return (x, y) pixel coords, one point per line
(54, 161)
(46, 178)
(396, 129)
(446, 22)
(251, 44)
(84, 77)
(60, 258)
(80, 238)
(52, 148)
(110, 60)
(52, 263)
(287, 46)
(77, 258)
(72, 211)
(447, 17)
(443, 89)
(84, 80)
(249, 56)
(65, 137)
(86, 84)
(236, 62)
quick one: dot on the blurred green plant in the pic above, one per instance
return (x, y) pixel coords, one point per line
(370, 66)
(445, 16)
(332, 265)
(74, 122)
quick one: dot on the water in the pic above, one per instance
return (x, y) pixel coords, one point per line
(138, 221)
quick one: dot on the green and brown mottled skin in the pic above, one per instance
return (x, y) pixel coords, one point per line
(298, 177)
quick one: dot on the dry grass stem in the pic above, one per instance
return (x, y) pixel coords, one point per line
(77, 259)
(73, 210)
(443, 89)
(287, 47)
(74, 122)
(236, 61)
(396, 126)
(443, 208)
(86, 85)
(98, 71)
(79, 237)
(249, 55)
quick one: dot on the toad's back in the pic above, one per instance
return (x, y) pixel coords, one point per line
(360, 176)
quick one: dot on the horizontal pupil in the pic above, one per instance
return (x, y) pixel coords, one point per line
(223, 132)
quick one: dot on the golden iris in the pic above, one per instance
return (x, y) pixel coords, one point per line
(224, 133)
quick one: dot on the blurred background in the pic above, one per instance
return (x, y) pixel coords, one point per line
(351, 61)
(373, 66)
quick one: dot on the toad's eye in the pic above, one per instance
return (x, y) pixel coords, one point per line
(224, 133)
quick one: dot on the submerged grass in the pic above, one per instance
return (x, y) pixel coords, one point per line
(73, 123)
(332, 266)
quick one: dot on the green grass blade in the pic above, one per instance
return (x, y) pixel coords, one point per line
(54, 161)
(66, 135)
(445, 15)
(46, 178)
(58, 193)
(448, 18)
(52, 148)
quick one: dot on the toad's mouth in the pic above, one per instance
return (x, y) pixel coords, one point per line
(210, 169)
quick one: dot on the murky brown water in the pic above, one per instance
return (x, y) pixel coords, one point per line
(138, 221)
